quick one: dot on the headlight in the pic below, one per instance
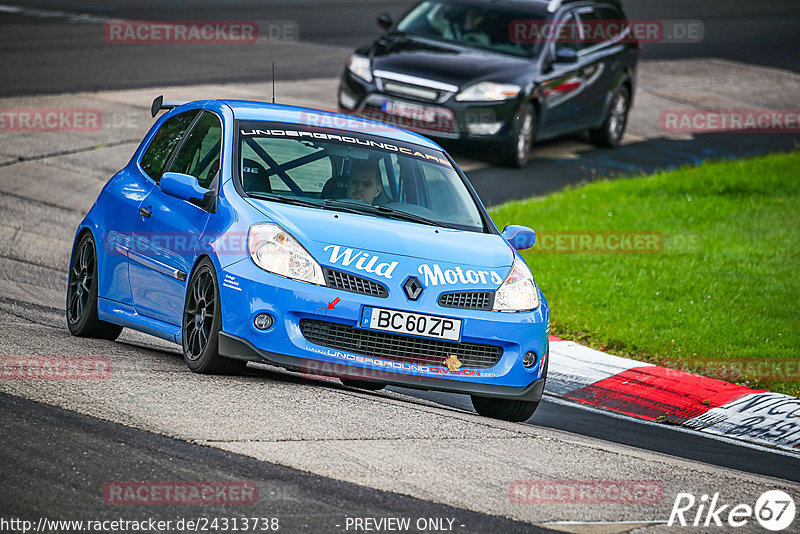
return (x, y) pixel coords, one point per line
(359, 65)
(518, 292)
(273, 249)
(488, 92)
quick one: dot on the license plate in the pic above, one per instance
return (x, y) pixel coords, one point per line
(409, 111)
(417, 324)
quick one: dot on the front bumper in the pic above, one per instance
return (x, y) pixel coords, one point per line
(247, 291)
(241, 349)
(444, 119)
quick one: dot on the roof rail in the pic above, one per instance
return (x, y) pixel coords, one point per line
(159, 103)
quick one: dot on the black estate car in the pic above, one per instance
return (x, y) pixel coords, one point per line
(500, 73)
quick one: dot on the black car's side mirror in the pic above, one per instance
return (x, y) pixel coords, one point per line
(385, 20)
(566, 55)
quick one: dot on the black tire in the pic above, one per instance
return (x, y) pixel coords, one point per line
(362, 384)
(610, 133)
(505, 409)
(523, 129)
(509, 410)
(201, 323)
(81, 306)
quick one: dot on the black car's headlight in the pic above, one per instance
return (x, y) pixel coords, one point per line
(488, 92)
(360, 66)
(275, 250)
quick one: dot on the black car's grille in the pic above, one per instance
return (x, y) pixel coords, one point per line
(468, 300)
(354, 284)
(398, 348)
(414, 91)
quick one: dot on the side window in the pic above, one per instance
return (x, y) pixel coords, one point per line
(199, 156)
(569, 35)
(155, 157)
(610, 21)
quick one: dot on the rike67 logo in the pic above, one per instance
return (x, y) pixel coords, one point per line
(774, 510)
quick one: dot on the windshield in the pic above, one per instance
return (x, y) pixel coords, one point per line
(479, 26)
(347, 171)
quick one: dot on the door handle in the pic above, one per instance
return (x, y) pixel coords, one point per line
(145, 212)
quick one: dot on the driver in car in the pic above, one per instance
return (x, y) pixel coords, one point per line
(364, 183)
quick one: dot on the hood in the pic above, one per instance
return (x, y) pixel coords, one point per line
(339, 240)
(446, 63)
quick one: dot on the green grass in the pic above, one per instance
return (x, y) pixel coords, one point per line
(730, 299)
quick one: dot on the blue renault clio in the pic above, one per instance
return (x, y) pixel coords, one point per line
(321, 243)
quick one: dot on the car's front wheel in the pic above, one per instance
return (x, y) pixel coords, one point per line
(610, 133)
(202, 321)
(505, 409)
(517, 152)
(82, 319)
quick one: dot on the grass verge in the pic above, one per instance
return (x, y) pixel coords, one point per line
(696, 269)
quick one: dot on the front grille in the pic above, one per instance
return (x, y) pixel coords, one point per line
(405, 349)
(354, 284)
(414, 91)
(468, 300)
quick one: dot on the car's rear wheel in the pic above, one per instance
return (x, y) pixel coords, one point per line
(202, 321)
(610, 133)
(517, 152)
(505, 409)
(82, 319)
(363, 384)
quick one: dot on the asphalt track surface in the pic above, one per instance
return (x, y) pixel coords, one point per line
(50, 456)
(54, 51)
(57, 461)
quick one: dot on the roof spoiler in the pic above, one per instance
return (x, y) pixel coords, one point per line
(159, 103)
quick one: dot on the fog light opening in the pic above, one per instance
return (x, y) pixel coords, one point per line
(529, 360)
(263, 321)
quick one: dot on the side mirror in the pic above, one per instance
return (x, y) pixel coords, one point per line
(519, 237)
(385, 20)
(183, 186)
(566, 55)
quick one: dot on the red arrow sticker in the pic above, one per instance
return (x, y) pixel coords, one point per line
(333, 303)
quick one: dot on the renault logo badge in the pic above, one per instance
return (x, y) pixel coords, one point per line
(412, 287)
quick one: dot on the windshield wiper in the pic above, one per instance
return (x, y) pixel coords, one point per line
(384, 211)
(302, 202)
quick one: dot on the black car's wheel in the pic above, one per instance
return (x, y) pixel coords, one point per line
(202, 321)
(505, 409)
(517, 152)
(81, 306)
(363, 384)
(613, 128)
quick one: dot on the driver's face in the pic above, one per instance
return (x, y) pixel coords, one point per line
(363, 186)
